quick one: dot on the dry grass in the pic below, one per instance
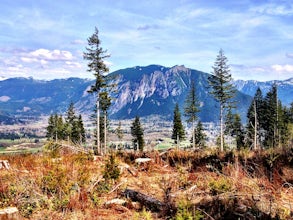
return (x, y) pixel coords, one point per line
(204, 184)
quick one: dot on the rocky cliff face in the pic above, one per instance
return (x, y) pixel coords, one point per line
(285, 88)
(156, 89)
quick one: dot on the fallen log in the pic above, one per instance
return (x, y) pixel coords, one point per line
(148, 202)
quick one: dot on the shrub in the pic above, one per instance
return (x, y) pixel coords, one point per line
(220, 185)
(56, 181)
(185, 212)
(111, 169)
(52, 148)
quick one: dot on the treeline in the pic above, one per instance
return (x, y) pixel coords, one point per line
(70, 128)
(14, 135)
(269, 122)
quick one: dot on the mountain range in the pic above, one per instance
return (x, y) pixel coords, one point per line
(142, 91)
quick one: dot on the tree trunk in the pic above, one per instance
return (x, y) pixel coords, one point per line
(193, 135)
(105, 132)
(145, 200)
(221, 126)
(255, 127)
(98, 126)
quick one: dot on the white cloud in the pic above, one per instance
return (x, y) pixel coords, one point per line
(29, 59)
(275, 9)
(283, 68)
(4, 98)
(51, 55)
(262, 73)
(73, 64)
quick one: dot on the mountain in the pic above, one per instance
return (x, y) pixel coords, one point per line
(142, 91)
(155, 89)
(285, 88)
(26, 96)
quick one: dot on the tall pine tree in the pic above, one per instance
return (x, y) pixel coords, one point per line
(255, 120)
(70, 122)
(191, 108)
(221, 88)
(199, 135)
(96, 57)
(178, 132)
(137, 133)
(270, 114)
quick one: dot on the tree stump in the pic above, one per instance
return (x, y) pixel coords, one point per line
(4, 164)
(10, 213)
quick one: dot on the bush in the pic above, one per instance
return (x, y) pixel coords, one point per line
(185, 212)
(111, 169)
(56, 181)
(220, 185)
(52, 148)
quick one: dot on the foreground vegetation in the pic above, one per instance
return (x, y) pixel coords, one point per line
(61, 183)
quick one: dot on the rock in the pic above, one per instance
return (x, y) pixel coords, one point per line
(9, 213)
(115, 202)
(142, 160)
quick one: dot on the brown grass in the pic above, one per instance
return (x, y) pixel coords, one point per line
(204, 183)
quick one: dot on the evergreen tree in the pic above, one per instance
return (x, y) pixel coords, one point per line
(119, 132)
(60, 127)
(191, 108)
(72, 129)
(234, 128)
(271, 117)
(283, 125)
(290, 113)
(96, 56)
(255, 120)
(238, 131)
(137, 133)
(229, 122)
(55, 128)
(178, 130)
(221, 88)
(199, 135)
(70, 123)
(50, 134)
(78, 131)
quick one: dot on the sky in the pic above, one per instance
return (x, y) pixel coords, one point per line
(45, 39)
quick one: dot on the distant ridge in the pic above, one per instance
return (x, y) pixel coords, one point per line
(142, 91)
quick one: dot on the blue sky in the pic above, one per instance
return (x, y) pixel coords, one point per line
(46, 39)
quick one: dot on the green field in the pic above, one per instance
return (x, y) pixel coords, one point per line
(168, 143)
(8, 146)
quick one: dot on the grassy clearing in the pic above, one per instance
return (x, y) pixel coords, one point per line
(60, 184)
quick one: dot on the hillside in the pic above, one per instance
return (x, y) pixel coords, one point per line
(61, 184)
